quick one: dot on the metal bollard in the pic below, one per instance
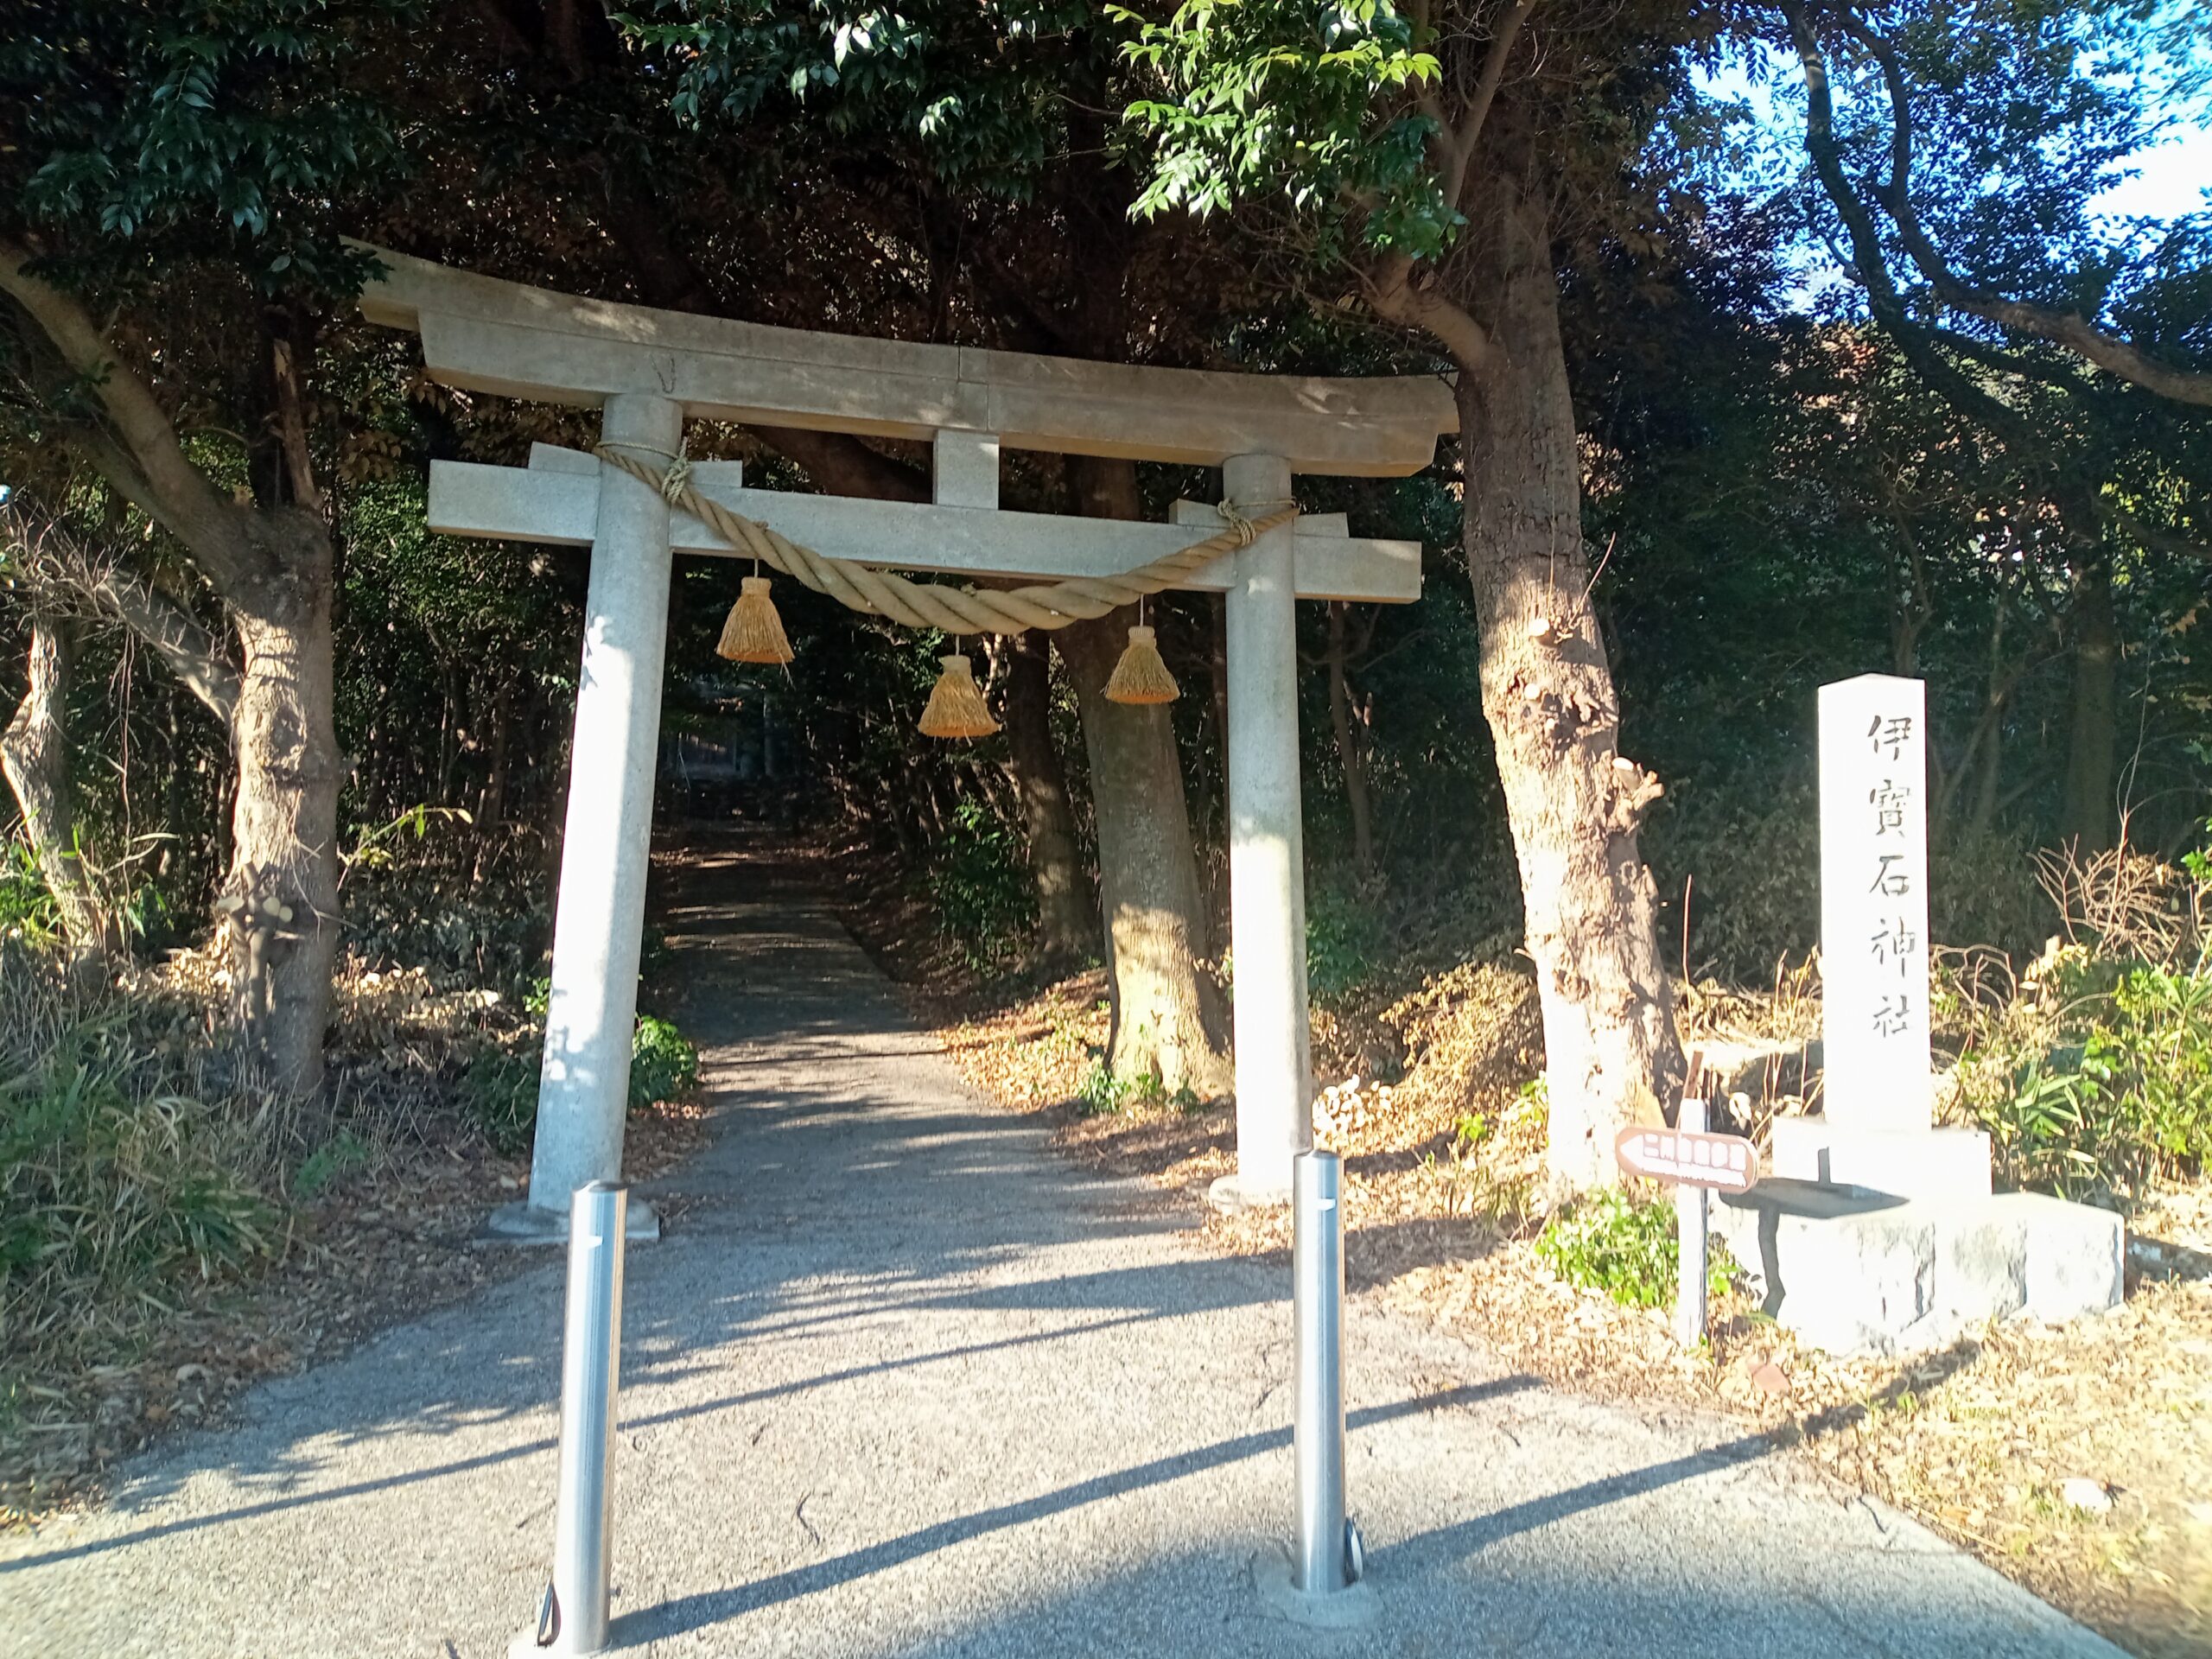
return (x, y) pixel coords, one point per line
(574, 1619)
(1326, 1559)
(1693, 1220)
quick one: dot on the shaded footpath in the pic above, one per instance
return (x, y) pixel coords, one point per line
(900, 1381)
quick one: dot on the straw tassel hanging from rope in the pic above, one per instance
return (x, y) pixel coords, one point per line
(957, 706)
(1142, 675)
(754, 633)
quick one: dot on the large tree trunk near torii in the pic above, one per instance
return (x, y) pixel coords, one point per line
(1166, 1018)
(274, 570)
(1573, 802)
(2087, 809)
(281, 895)
(34, 751)
(1065, 930)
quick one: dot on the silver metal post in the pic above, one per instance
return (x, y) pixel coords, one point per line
(1691, 1223)
(575, 1618)
(1321, 1565)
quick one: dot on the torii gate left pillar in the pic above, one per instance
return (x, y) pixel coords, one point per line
(599, 918)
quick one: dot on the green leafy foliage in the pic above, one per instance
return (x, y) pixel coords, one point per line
(2123, 1096)
(1628, 1249)
(27, 907)
(975, 91)
(345, 1153)
(663, 1066)
(1345, 941)
(108, 1186)
(979, 886)
(1100, 1090)
(233, 129)
(499, 1093)
(498, 1090)
(1270, 96)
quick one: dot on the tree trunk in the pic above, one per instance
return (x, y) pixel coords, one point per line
(1351, 748)
(1166, 1023)
(1573, 802)
(1065, 932)
(2088, 809)
(281, 895)
(34, 751)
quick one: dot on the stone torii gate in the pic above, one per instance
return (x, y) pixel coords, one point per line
(648, 369)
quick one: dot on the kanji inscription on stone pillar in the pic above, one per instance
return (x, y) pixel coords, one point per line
(1874, 902)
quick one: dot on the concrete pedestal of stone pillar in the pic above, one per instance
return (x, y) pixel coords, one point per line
(1267, 860)
(583, 1089)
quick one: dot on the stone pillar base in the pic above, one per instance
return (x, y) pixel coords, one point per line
(1861, 1273)
(1235, 1194)
(1902, 1163)
(523, 1223)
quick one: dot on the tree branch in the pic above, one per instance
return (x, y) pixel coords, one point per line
(2070, 329)
(1394, 289)
(842, 465)
(162, 482)
(60, 567)
(292, 426)
(1867, 262)
(1469, 133)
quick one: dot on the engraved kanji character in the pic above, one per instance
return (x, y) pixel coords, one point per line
(1889, 799)
(1890, 732)
(1894, 942)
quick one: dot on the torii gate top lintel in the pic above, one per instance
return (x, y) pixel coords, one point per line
(483, 333)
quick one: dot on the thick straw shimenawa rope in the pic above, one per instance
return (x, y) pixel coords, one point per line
(939, 605)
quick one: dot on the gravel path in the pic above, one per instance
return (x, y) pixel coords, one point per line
(902, 1380)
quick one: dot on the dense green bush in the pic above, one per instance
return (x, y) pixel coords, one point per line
(468, 909)
(1346, 941)
(499, 1090)
(1628, 1251)
(980, 885)
(2113, 1089)
(2094, 1075)
(663, 1066)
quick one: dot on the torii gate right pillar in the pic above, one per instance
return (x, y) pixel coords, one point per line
(1267, 853)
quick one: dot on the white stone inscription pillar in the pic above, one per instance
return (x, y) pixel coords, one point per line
(1876, 1130)
(598, 924)
(1266, 855)
(1874, 903)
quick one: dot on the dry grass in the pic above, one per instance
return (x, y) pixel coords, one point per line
(196, 1234)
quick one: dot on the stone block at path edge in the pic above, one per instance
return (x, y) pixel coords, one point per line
(1861, 1273)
